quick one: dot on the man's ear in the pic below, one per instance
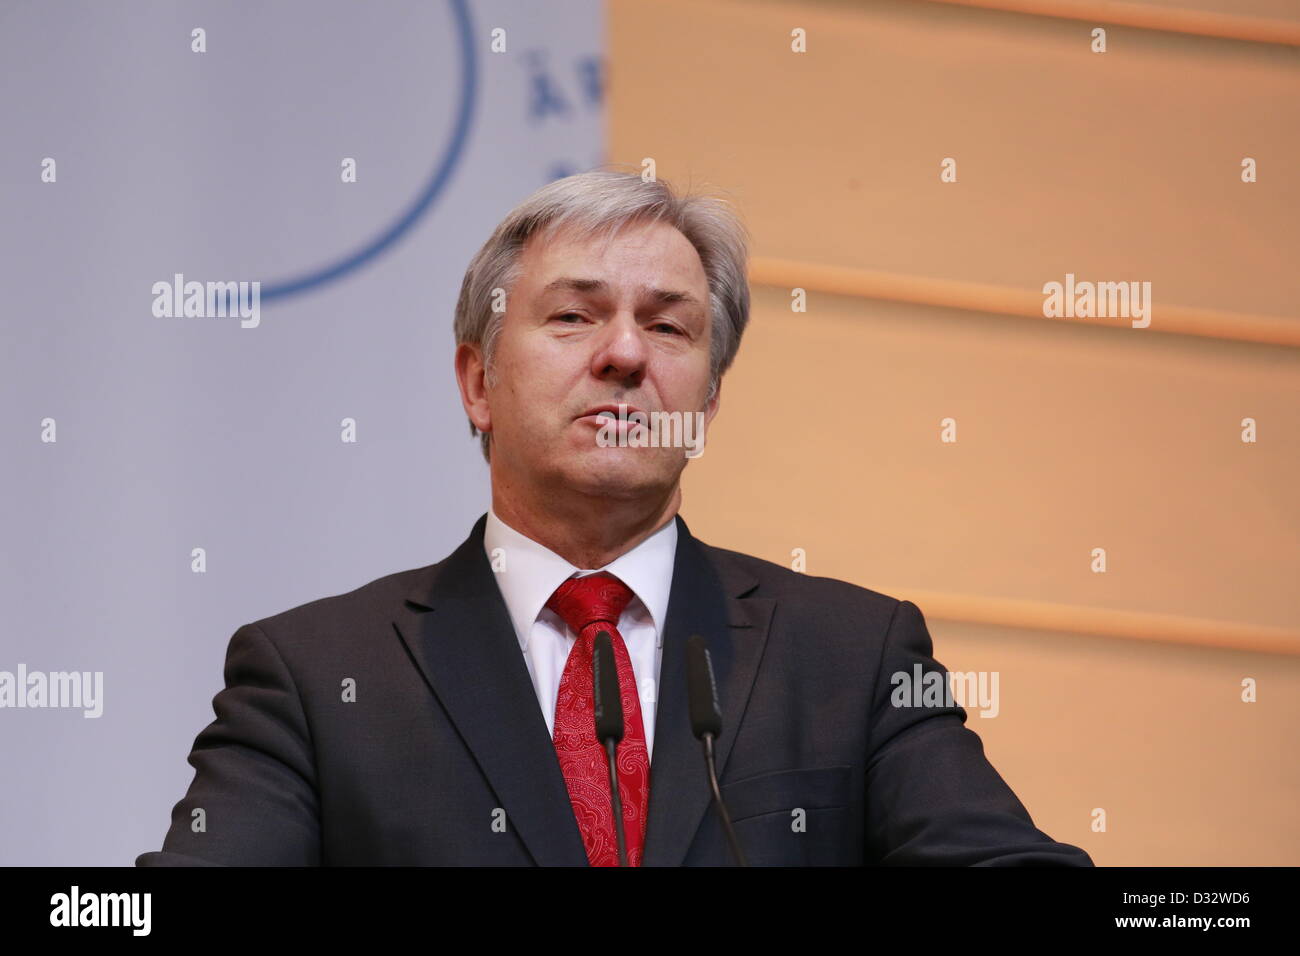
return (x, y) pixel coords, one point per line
(711, 408)
(473, 387)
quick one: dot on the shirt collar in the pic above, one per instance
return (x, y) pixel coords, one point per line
(529, 573)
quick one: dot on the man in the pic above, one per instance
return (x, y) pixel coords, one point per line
(443, 715)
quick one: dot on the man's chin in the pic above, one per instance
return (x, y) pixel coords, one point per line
(618, 472)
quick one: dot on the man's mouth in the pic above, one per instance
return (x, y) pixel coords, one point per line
(611, 411)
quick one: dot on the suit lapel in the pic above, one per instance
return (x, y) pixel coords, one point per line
(705, 599)
(459, 633)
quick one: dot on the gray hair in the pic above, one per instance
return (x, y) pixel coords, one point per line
(603, 201)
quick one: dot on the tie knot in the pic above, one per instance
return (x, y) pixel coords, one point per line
(581, 602)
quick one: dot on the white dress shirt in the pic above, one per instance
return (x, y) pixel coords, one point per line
(528, 574)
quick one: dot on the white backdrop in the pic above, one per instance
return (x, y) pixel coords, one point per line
(172, 434)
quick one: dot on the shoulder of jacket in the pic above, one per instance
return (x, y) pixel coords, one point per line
(381, 595)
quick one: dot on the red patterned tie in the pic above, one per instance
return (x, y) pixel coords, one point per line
(588, 605)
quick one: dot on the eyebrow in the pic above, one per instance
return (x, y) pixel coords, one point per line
(573, 284)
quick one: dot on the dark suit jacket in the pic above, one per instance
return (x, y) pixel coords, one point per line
(445, 733)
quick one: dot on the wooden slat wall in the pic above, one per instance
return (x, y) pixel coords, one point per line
(1119, 690)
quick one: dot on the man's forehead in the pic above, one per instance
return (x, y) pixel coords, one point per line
(567, 261)
(594, 286)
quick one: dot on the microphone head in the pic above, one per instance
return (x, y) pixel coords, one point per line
(607, 699)
(702, 689)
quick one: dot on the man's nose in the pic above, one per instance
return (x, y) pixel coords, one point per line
(621, 350)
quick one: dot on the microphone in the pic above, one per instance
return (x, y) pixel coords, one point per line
(608, 706)
(706, 724)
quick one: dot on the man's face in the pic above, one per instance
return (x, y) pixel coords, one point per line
(591, 323)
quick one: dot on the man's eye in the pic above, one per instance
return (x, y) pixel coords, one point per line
(667, 325)
(569, 314)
